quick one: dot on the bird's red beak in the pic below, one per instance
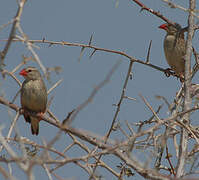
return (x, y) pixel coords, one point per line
(23, 72)
(164, 26)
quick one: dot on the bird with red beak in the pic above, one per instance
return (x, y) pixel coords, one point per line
(33, 96)
(174, 48)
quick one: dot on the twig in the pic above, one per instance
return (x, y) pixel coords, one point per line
(149, 106)
(12, 32)
(172, 5)
(11, 75)
(6, 174)
(47, 171)
(156, 13)
(54, 86)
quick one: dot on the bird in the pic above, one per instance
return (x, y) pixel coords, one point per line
(33, 96)
(174, 48)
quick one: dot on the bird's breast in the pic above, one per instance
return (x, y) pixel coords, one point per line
(174, 50)
(34, 96)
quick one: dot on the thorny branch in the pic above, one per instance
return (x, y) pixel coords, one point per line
(64, 43)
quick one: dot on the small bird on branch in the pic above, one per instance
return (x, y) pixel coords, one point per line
(174, 49)
(33, 96)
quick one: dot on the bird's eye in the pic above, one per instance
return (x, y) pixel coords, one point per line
(29, 70)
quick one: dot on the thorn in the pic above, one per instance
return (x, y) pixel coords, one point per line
(142, 9)
(92, 53)
(148, 53)
(68, 117)
(81, 53)
(91, 38)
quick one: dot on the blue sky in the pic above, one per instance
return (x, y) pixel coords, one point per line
(114, 26)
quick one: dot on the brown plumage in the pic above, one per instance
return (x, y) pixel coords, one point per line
(33, 96)
(174, 48)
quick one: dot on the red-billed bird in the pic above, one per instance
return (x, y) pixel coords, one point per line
(33, 96)
(174, 48)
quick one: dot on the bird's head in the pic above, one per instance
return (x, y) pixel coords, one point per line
(30, 73)
(170, 29)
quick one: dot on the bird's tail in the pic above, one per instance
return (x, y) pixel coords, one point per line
(34, 125)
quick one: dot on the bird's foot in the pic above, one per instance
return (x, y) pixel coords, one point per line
(181, 76)
(21, 110)
(168, 72)
(40, 115)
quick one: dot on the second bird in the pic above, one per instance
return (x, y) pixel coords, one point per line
(174, 48)
(33, 96)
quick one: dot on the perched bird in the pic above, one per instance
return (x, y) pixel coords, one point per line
(33, 96)
(174, 48)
